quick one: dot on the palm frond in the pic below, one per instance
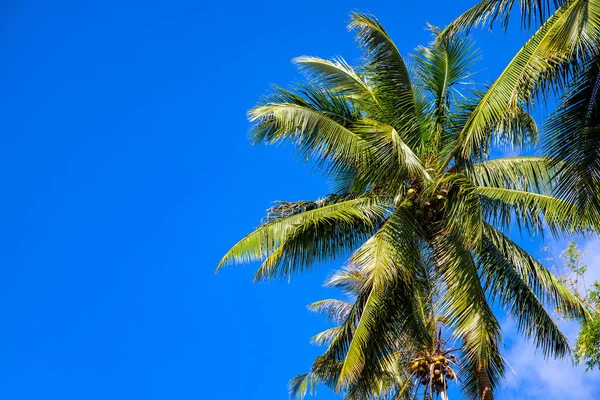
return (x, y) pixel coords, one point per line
(526, 173)
(389, 76)
(325, 337)
(314, 121)
(465, 307)
(547, 287)
(384, 306)
(545, 58)
(504, 281)
(322, 238)
(464, 302)
(391, 160)
(337, 76)
(463, 210)
(516, 130)
(332, 309)
(444, 65)
(349, 279)
(531, 211)
(268, 237)
(301, 385)
(480, 382)
(440, 69)
(487, 12)
(573, 138)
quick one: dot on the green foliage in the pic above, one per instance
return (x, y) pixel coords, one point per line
(572, 259)
(563, 54)
(543, 59)
(562, 57)
(421, 212)
(487, 12)
(587, 346)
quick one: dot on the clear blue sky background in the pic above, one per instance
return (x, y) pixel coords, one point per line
(126, 174)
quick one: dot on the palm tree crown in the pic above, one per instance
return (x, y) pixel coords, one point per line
(417, 198)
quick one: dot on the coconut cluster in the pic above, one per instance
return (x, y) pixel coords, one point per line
(428, 208)
(434, 371)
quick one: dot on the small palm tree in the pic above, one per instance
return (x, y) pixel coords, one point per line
(409, 156)
(410, 365)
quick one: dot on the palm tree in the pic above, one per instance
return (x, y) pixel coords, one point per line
(563, 54)
(414, 184)
(410, 366)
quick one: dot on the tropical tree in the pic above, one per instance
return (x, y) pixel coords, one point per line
(408, 153)
(410, 366)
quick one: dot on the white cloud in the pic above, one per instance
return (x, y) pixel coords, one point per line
(592, 259)
(537, 378)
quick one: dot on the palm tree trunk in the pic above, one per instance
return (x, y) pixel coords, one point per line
(484, 385)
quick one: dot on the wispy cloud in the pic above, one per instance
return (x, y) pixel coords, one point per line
(592, 259)
(536, 378)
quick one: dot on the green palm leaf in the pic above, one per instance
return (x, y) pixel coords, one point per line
(463, 216)
(467, 311)
(542, 59)
(526, 173)
(389, 76)
(391, 160)
(489, 11)
(332, 309)
(440, 68)
(503, 281)
(320, 239)
(547, 287)
(574, 139)
(336, 75)
(350, 279)
(268, 237)
(325, 337)
(532, 211)
(389, 258)
(317, 135)
(301, 385)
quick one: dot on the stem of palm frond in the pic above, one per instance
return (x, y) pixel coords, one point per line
(447, 162)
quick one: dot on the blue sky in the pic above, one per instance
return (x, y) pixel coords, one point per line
(126, 174)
